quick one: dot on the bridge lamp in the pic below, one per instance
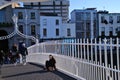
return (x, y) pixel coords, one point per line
(15, 20)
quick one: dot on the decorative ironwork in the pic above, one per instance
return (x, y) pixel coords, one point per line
(16, 31)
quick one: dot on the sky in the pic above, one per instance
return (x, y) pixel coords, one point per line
(110, 5)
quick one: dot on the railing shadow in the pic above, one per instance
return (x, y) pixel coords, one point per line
(40, 72)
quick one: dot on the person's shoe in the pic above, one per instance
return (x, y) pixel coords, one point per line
(15, 64)
(44, 68)
(55, 69)
(24, 63)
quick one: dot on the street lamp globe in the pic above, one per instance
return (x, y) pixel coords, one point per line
(15, 19)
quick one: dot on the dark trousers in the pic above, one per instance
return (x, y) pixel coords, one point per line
(1, 61)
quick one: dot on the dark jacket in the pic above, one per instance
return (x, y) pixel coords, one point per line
(52, 62)
(23, 51)
(14, 50)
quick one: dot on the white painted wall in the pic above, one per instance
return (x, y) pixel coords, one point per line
(70, 26)
(109, 26)
(51, 27)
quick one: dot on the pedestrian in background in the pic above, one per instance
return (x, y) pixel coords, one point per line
(23, 51)
(14, 53)
(1, 57)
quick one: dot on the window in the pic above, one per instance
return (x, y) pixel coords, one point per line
(33, 30)
(88, 16)
(118, 19)
(87, 26)
(68, 32)
(57, 22)
(31, 4)
(102, 33)
(110, 33)
(21, 28)
(82, 34)
(95, 16)
(88, 34)
(102, 19)
(111, 19)
(79, 16)
(44, 22)
(118, 29)
(45, 32)
(32, 15)
(20, 15)
(57, 32)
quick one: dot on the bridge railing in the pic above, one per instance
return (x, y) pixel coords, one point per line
(97, 59)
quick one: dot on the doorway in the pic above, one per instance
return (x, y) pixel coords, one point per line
(3, 43)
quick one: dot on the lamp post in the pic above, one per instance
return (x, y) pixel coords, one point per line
(15, 20)
(26, 17)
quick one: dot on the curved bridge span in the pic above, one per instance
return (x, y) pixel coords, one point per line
(64, 64)
(81, 59)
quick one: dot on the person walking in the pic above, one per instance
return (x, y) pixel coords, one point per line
(23, 51)
(1, 57)
(14, 53)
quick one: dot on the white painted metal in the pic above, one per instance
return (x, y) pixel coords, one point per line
(16, 31)
(105, 68)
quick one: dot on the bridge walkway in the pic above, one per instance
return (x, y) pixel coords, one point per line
(30, 71)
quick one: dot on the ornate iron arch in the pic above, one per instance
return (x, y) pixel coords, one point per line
(16, 31)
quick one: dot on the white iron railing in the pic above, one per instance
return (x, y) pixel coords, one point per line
(86, 59)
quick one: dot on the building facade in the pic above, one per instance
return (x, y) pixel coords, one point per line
(109, 24)
(61, 7)
(48, 26)
(52, 28)
(86, 22)
(28, 23)
(5, 23)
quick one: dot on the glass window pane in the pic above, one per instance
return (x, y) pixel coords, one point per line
(32, 15)
(57, 32)
(68, 32)
(21, 28)
(33, 30)
(45, 32)
(57, 22)
(20, 15)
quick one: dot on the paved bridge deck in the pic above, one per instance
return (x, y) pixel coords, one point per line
(30, 72)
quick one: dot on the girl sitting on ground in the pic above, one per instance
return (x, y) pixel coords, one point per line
(50, 64)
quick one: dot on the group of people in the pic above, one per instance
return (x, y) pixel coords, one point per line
(14, 54)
